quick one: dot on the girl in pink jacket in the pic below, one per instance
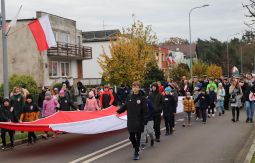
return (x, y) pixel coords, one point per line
(49, 105)
(91, 103)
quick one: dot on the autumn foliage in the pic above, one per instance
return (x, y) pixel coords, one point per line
(131, 53)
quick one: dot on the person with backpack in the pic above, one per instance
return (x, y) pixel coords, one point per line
(30, 112)
(148, 128)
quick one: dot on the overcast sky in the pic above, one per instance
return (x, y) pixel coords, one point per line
(169, 18)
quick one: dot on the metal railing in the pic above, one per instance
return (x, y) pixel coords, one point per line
(70, 50)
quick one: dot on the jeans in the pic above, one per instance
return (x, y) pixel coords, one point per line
(220, 106)
(148, 130)
(211, 108)
(250, 106)
(204, 111)
(235, 111)
(189, 117)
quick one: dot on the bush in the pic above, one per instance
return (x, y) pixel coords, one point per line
(57, 85)
(178, 71)
(214, 71)
(24, 81)
(199, 69)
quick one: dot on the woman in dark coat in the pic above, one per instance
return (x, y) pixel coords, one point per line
(136, 115)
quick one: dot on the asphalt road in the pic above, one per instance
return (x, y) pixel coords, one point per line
(218, 141)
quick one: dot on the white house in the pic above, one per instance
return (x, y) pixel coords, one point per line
(98, 41)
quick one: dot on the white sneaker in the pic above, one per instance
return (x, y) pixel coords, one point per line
(213, 115)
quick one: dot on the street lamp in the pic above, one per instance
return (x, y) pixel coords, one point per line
(227, 50)
(190, 53)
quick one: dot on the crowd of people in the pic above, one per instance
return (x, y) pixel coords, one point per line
(203, 97)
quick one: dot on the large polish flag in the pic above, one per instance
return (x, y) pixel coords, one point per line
(42, 32)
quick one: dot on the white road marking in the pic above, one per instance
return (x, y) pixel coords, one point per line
(105, 153)
(99, 151)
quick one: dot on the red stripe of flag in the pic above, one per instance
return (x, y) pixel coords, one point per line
(39, 35)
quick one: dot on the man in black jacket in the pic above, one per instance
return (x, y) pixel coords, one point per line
(7, 115)
(136, 116)
(226, 86)
(158, 102)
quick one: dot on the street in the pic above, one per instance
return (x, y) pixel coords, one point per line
(219, 141)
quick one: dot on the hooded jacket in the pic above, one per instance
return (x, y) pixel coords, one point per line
(65, 104)
(30, 112)
(136, 112)
(157, 100)
(169, 105)
(17, 102)
(6, 115)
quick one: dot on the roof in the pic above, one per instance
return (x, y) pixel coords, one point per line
(184, 48)
(98, 36)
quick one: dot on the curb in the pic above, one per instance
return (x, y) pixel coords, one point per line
(246, 153)
(24, 141)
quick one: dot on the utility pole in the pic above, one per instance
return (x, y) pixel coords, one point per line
(5, 55)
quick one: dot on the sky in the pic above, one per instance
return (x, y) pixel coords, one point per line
(168, 18)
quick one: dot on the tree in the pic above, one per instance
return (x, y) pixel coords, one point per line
(131, 52)
(199, 69)
(174, 41)
(154, 74)
(24, 81)
(178, 71)
(214, 71)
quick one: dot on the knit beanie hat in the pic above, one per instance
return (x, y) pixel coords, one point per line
(167, 89)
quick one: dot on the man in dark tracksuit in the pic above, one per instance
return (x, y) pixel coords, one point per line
(136, 116)
(158, 103)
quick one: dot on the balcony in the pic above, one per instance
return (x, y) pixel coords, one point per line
(70, 51)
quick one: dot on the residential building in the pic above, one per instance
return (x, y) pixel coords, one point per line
(54, 65)
(100, 42)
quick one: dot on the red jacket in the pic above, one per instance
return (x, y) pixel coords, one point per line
(106, 99)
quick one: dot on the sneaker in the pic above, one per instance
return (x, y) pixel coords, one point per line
(197, 119)
(143, 146)
(173, 129)
(209, 116)
(167, 133)
(213, 115)
(12, 147)
(3, 148)
(219, 114)
(247, 120)
(223, 112)
(152, 143)
(251, 120)
(233, 120)
(136, 156)
(184, 125)
(157, 140)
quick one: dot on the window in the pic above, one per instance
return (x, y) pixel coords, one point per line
(64, 37)
(53, 68)
(65, 68)
(78, 40)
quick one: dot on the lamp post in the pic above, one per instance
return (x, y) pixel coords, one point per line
(5, 55)
(227, 50)
(190, 53)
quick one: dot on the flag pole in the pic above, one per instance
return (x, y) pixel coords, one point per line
(5, 55)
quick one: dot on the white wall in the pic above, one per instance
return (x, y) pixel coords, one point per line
(91, 68)
(74, 70)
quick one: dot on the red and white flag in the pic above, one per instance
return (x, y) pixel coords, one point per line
(42, 32)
